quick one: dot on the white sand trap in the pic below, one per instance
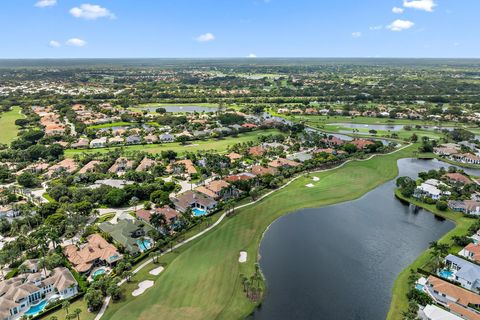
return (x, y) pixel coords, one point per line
(243, 257)
(309, 185)
(142, 286)
(156, 271)
(316, 178)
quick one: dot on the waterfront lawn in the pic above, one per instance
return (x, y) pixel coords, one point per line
(400, 289)
(203, 282)
(219, 145)
(367, 120)
(7, 123)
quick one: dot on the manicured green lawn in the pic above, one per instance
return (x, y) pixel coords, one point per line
(7, 125)
(367, 120)
(120, 124)
(219, 145)
(399, 301)
(203, 282)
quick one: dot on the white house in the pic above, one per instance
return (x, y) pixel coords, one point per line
(98, 143)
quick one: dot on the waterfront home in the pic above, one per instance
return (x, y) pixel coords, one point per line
(96, 252)
(333, 141)
(465, 206)
(464, 272)
(98, 143)
(445, 151)
(194, 200)
(361, 144)
(466, 158)
(457, 178)
(432, 312)
(429, 189)
(471, 252)
(128, 234)
(459, 301)
(134, 139)
(145, 164)
(116, 141)
(20, 293)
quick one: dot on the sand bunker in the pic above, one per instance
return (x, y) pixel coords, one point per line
(309, 185)
(156, 271)
(243, 257)
(316, 178)
(142, 286)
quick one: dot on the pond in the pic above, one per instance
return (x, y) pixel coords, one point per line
(386, 127)
(340, 262)
(182, 108)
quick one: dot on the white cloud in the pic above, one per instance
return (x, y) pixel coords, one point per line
(425, 5)
(45, 3)
(400, 25)
(76, 42)
(252, 55)
(376, 28)
(91, 12)
(398, 10)
(356, 34)
(206, 37)
(54, 44)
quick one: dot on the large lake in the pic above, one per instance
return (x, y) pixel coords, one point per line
(340, 262)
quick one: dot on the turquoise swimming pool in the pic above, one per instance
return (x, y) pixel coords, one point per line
(98, 272)
(197, 212)
(446, 274)
(34, 310)
(145, 244)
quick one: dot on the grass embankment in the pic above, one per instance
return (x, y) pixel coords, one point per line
(218, 145)
(204, 281)
(400, 288)
(370, 120)
(120, 124)
(7, 125)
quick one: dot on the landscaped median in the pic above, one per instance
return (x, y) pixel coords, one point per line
(399, 302)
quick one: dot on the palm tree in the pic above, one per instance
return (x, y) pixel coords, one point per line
(65, 306)
(77, 312)
(438, 251)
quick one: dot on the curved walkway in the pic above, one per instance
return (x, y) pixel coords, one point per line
(146, 263)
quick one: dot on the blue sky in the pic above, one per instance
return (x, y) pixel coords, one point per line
(239, 28)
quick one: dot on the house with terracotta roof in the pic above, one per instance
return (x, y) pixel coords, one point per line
(333, 141)
(90, 167)
(249, 125)
(361, 143)
(234, 156)
(121, 166)
(471, 252)
(262, 171)
(66, 165)
(171, 215)
(283, 163)
(177, 165)
(456, 299)
(218, 189)
(95, 252)
(244, 176)
(256, 151)
(145, 164)
(458, 178)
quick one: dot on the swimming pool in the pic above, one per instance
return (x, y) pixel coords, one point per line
(446, 274)
(144, 245)
(197, 212)
(98, 272)
(34, 310)
(419, 287)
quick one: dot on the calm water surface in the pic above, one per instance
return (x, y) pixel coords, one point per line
(340, 262)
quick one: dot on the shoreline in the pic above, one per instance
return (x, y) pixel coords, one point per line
(399, 301)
